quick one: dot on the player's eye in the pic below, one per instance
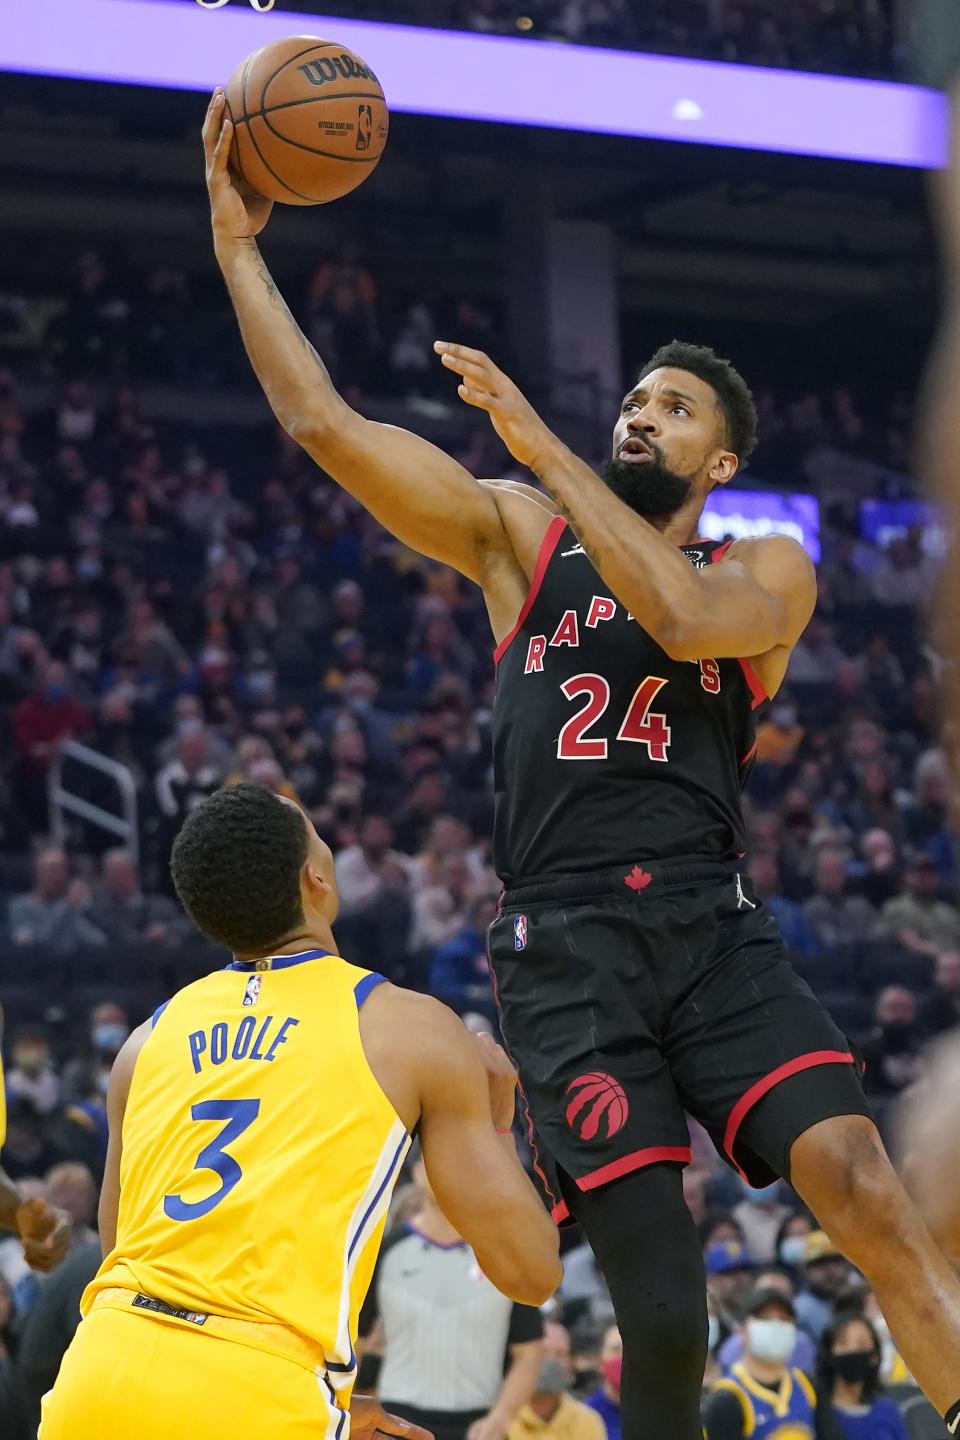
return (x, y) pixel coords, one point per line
(682, 408)
(629, 405)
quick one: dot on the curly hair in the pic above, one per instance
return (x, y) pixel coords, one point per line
(236, 867)
(732, 391)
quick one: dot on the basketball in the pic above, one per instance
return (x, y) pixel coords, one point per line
(310, 120)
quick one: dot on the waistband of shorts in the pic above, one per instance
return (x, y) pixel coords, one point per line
(643, 877)
(266, 1335)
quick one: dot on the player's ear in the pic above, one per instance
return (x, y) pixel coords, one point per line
(724, 467)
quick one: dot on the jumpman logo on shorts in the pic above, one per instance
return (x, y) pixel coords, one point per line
(741, 898)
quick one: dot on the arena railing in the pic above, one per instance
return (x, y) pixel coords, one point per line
(63, 801)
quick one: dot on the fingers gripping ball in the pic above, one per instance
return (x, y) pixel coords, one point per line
(310, 120)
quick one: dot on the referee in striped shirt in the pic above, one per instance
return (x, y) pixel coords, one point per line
(459, 1358)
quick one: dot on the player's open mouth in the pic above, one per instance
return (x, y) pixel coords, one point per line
(635, 450)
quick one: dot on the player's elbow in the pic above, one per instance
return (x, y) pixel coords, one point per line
(679, 640)
(528, 1273)
(316, 428)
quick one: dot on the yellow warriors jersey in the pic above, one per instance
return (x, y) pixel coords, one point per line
(784, 1413)
(259, 1153)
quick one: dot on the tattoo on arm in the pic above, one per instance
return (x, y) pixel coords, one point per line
(277, 300)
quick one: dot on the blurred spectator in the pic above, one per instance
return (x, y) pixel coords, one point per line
(816, 657)
(41, 722)
(108, 1028)
(440, 911)
(879, 879)
(917, 918)
(187, 779)
(51, 914)
(51, 1324)
(583, 1288)
(760, 1214)
(126, 915)
(891, 1051)
(763, 1375)
(791, 919)
(826, 1275)
(605, 1400)
(804, 1352)
(940, 1010)
(730, 1270)
(792, 1241)
(552, 1413)
(836, 918)
(459, 972)
(372, 870)
(31, 1075)
(848, 1373)
(72, 1187)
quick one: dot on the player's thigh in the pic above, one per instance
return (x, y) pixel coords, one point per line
(127, 1375)
(756, 1057)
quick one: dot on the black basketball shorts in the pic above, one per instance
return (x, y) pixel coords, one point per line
(630, 998)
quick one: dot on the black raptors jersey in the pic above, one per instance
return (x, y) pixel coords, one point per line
(607, 752)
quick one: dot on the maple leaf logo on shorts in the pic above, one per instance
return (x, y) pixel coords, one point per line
(637, 879)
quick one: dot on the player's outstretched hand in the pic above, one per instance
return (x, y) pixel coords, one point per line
(369, 1419)
(485, 386)
(238, 212)
(45, 1232)
(502, 1079)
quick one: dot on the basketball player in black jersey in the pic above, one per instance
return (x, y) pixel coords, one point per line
(638, 977)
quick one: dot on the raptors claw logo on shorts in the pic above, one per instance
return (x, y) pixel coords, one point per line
(598, 1107)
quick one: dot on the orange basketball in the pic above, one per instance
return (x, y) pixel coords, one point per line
(310, 120)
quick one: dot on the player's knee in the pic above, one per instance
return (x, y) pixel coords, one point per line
(844, 1174)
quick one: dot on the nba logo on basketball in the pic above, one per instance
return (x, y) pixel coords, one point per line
(598, 1106)
(252, 993)
(520, 933)
(364, 126)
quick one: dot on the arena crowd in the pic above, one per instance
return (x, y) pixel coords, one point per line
(845, 37)
(202, 608)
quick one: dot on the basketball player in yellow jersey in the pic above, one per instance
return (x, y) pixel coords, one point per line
(44, 1230)
(257, 1127)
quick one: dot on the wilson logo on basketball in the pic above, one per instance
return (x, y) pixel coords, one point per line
(598, 1107)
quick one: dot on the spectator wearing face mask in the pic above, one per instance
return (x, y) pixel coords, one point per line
(760, 1214)
(606, 1400)
(108, 1029)
(891, 1051)
(803, 1355)
(792, 1241)
(848, 1371)
(31, 1076)
(762, 1396)
(553, 1414)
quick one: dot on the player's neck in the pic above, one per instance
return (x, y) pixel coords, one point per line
(681, 528)
(316, 936)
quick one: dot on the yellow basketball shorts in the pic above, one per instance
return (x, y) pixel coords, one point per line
(132, 1374)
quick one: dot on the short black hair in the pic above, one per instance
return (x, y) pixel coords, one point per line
(236, 867)
(732, 391)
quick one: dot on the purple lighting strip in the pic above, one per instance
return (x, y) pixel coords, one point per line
(179, 45)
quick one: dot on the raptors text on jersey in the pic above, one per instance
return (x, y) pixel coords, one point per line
(606, 751)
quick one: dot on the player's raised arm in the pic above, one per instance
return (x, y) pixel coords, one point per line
(421, 495)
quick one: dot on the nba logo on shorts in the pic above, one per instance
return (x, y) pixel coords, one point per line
(520, 933)
(252, 993)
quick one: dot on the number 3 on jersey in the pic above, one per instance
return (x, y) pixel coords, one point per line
(240, 1115)
(640, 725)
